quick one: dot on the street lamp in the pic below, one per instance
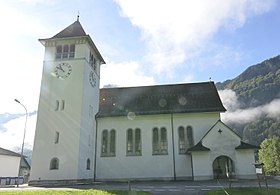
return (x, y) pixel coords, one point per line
(22, 146)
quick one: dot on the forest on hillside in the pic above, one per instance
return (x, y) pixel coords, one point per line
(257, 89)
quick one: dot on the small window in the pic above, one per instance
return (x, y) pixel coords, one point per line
(72, 51)
(59, 105)
(54, 164)
(94, 64)
(56, 139)
(65, 51)
(56, 105)
(58, 52)
(88, 164)
(62, 104)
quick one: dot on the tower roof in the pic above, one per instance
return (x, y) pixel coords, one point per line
(73, 30)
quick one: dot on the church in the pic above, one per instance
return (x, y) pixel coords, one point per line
(160, 132)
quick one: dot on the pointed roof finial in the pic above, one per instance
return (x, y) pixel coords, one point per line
(78, 16)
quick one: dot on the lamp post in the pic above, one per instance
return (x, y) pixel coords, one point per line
(22, 146)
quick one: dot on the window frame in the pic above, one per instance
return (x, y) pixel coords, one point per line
(159, 141)
(133, 142)
(187, 140)
(108, 143)
(56, 138)
(88, 164)
(65, 51)
(54, 163)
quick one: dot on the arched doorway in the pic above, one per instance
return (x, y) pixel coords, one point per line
(223, 167)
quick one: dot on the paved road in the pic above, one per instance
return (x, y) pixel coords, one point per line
(162, 188)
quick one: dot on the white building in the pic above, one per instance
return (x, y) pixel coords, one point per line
(9, 165)
(165, 132)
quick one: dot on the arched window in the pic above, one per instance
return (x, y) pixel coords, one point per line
(190, 136)
(104, 147)
(160, 145)
(185, 138)
(112, 142)
(108, 144)
(133, 146)
(54, 164)
(155, 141)
(88, 164)
(182, 140)
(129, 145)
(138, 145)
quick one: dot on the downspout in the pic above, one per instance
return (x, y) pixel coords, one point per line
(95, 148)
(192, 166)
(173, 148)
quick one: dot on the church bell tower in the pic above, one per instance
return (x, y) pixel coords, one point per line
(64, 147)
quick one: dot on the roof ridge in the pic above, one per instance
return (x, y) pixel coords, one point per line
(158, 85)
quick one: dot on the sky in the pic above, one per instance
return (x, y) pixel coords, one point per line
(147, 42)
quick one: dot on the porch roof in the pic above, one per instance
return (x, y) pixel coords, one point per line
(244, 145)
(198, 148)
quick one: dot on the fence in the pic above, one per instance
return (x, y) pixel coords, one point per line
(5, 181)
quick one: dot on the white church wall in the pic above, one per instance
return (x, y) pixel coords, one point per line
(221, 141)
(149, 165)
(201, 123)
(202, 166)
(88, 112)
(146, 166)
(245, 164)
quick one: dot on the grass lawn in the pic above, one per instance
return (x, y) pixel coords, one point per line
(80, 192)
(247, 191)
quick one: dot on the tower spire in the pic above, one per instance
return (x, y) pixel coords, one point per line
(78, 16)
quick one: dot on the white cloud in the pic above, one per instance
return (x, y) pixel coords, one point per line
(241, 116)
(124, 74)
(14, 136)
(176, 29)
(229, 99)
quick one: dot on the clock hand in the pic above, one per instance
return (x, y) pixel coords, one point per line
(60, 68)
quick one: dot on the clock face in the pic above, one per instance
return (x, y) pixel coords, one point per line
(63, 70)
(92, 79)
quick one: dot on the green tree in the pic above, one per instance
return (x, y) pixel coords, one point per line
(269, 154)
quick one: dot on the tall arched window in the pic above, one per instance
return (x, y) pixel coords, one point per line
(112, 142)
(160, 145)
(190, 136)
(108, 143)
(185, 138)
(54, 164)
(182, 140)
(104, 147)
(133, 146)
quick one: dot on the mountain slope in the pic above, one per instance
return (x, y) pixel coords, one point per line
(257, 86)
